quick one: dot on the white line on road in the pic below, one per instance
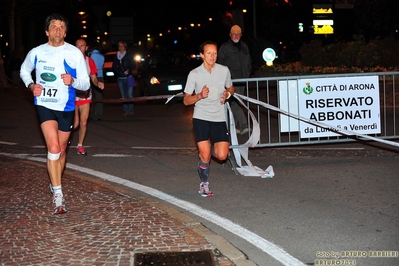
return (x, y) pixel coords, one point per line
(7, 143)
(111, 155)
(264, 245)
(44, 147)
(163, 148)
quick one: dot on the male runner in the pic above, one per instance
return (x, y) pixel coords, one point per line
(60, 69)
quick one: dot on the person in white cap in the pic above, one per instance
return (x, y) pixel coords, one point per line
(234, 54)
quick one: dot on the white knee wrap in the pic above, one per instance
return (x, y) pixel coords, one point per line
(52, 156)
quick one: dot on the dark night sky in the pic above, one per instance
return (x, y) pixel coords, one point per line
(151, 15)
(154, 17)
(274, 23)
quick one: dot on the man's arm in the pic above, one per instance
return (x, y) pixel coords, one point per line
(26, 70)
(95, 81)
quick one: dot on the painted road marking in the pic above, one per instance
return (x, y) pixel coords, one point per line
(111, 155)
(259, 242)
(7, 143)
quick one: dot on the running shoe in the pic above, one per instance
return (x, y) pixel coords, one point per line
(81, 151)
(51, 189)
(205, 190)
(59, 204)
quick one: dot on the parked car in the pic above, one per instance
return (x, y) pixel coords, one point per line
(107, 68)
(164, 73)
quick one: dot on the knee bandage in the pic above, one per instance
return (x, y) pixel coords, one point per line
(53, 156)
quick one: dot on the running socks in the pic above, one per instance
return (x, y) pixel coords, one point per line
(203, 170)
(57, 190)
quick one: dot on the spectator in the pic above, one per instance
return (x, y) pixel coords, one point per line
(97, 106)
(234, 54)
(123, 66)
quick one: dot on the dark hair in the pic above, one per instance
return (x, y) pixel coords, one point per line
(202, 45)
(123, 43)
(55, 16)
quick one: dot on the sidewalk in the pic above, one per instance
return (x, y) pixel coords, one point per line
(105, 225)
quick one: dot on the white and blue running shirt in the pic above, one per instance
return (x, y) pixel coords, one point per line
(49, 64)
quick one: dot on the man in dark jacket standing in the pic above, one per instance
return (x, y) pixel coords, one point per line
(235, 55)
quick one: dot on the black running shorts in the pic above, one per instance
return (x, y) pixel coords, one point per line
(215, 131)
(64, 119)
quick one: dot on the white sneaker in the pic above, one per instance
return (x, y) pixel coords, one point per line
(205, 190)
(59, 203)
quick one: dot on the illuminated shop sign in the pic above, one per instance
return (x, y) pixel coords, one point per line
(323, 19)
(323, 26)
(322, 10)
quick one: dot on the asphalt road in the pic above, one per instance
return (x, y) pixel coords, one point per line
(331, 203)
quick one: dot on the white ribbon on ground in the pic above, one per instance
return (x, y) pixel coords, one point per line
(249, 169)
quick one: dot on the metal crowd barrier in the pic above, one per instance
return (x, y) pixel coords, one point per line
(281, 93)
